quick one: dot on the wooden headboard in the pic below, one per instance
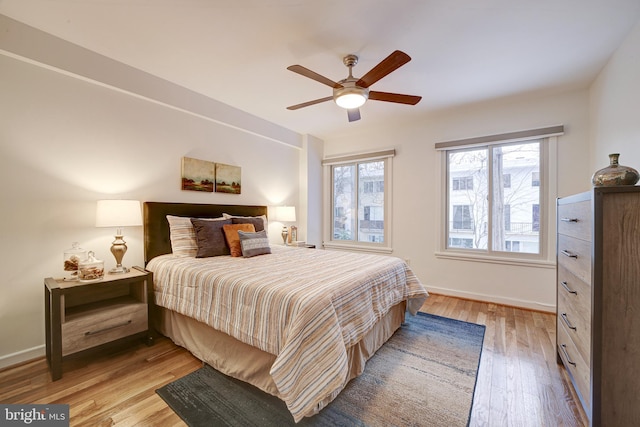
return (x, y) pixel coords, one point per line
(156, 226)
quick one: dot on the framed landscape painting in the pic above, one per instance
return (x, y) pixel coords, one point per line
(228, 179)
(198, 175)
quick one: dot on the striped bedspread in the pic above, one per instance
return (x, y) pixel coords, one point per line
(304, 306)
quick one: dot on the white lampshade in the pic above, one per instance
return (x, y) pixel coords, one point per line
(118, 213)
(283, 214)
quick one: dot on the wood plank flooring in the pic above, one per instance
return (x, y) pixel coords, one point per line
(519, 382)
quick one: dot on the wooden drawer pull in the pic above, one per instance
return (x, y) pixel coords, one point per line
(566, 320)
(568, 289)
(569, 254)
(128, 322)
(569, 219)
(563, 347)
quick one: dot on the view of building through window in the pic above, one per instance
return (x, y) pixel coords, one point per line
(358, 201)
(494, 198)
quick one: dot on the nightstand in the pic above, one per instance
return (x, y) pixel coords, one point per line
(85, 315)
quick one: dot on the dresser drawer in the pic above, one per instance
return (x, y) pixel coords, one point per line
(91, 329)
(574, 310)
(575, 364)
(574, 219)
(575, 255)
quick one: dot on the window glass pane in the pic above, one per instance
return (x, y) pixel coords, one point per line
(371, 202)
(344, 197)
(516, 209)
(468, 203)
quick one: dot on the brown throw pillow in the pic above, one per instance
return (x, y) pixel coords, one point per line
(210, 237)
(233, 240)
(257, 221)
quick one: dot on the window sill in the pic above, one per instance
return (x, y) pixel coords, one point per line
(358, 248)
(458, 256)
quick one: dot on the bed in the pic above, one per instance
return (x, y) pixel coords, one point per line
(297, 323)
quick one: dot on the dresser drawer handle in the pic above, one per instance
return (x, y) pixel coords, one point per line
(99, 331)
(566, 320)
(569, 254)
(569, 219)
(563, 347)
(568, 289)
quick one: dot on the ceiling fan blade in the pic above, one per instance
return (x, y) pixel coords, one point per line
(391, 63)
(313, 75)
(308, 103)
(353, 114)
(394, 97)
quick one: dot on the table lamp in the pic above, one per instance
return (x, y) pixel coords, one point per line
(118, 214)
(284, 214)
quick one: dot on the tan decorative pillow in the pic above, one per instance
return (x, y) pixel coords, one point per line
(233, 240)
(183, 236)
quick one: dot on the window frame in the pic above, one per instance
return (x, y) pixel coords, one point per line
(548, 192)
(355, 159)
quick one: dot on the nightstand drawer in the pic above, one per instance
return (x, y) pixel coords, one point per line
(575, 255)
(102, 324)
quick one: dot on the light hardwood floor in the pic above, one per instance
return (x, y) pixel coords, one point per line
(519, 382)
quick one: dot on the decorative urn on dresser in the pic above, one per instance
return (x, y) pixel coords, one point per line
(598, 305)
(615, 174)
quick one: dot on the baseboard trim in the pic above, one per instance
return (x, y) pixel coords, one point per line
(20, 357)
(513, 302)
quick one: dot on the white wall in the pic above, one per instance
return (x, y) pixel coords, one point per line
(417, 183)
(65, 143)
(615, 107)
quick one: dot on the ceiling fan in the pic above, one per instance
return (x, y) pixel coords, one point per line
(351, 93)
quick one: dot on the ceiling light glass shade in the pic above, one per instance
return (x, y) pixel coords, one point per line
(351, 100)
(350, 96)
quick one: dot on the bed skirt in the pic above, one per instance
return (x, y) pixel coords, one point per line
(252, 365)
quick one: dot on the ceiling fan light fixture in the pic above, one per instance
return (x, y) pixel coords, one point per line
(350, 97)
(351, 93)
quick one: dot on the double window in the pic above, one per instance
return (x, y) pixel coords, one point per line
(489, 212)
(495, 196)
(360, 198)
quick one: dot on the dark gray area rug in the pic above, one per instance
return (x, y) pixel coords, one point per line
(425, 375)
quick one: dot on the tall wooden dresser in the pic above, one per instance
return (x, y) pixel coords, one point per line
(598, 306)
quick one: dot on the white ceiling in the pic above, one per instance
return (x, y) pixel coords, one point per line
(237, 51)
